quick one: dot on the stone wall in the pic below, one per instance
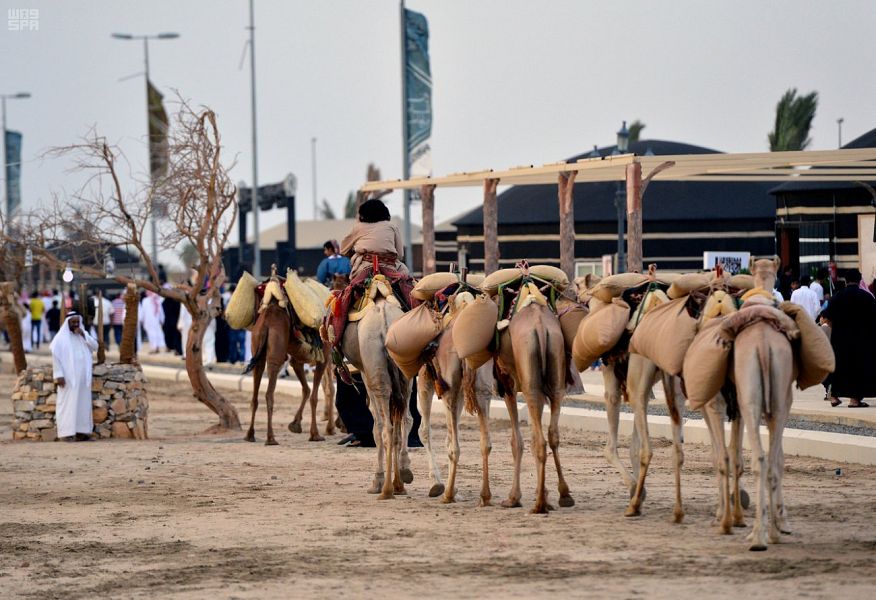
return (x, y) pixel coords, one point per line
(119, 405)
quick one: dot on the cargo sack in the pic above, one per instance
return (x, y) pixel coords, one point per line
(428, 286)
(304, 300)
(322, 292)
(742, 282)
(747, 316)
(615, 285)
(475, 327)
(599, 332)
(409, 335)
(652, 300)
(495, 279)
(813, 352)
(571, 315)
(705, 364)
(719, 304)
(475, 280)
(687, 283)
(664, 335)
(241, 311)
(557, 277)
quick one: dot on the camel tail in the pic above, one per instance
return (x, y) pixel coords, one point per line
(398, 399)
(765, 357)
(541, 336)
(469, 389)
(259, 355)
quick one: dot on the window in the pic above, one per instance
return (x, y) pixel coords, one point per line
(590, 267)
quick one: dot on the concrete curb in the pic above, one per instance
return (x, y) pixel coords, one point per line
(838, 447)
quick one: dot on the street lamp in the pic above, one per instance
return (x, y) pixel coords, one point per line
(620, 197)
(6, 199)
(167, 35)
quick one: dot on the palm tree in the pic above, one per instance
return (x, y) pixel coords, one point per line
(635, 130)
(350, 206)
(326, 211)
(793, 121)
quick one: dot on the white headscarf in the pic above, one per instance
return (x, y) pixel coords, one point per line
(70, 350)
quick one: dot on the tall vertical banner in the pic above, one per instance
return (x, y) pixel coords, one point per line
(158, 148)
(12, 141)
(418, 93)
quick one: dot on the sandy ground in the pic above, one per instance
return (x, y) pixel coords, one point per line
(190, 515)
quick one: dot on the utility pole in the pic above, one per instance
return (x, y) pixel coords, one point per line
(313, 175)
(839, 126)
(406, 167)
(257, 259)
(6, 206)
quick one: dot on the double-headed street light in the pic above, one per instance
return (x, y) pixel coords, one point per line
(620, 197)
(6, 200)
(167, 35)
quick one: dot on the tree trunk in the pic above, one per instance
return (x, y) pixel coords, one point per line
(491, 225)
(565, 186)
(101, 349)
(83, 307)
(427, 195)
(13, 326)
(634, 217)
(201, 386)
(128, 348)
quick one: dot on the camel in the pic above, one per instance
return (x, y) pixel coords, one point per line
(273, 343)
(764, 372)
(456, 380)
(388, 392)
(532, 360)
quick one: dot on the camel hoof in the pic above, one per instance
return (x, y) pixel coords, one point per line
(678, 517)
(739, 524)
(295, 427)
(249, 437)
(271, 442)
(400, 491)
(757, 547)
(376, 486)
(567, 501)
(436, 490)
(329, 430)
(540, 510)
(632, 512)
(744, 499)
(485, 502)
(445, 499)
(550, 507)
(407, 475)
(386, 496)
(511, 503)
(316, 438)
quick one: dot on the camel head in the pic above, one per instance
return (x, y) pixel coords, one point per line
(764, 271)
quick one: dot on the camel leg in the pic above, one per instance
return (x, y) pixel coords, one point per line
(388, 441)
(612, 412)
(328, 396)
(452, 411)
(486, 448)
(399, 441)
(736, 466)
(749, 405)
(566, 499)
(314, 398)
(675, 404)
(273, 371)
(254, 403)
(713, 415)
(513, 500)
(404, 459)
(377, 433)
(539, 453)
(641, 375)
(295, 425)
(424, 403)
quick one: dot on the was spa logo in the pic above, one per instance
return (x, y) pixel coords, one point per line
(23, 19)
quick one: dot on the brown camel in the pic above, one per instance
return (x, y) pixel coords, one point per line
(388, 393)
(532, 360)
(457, 381)
(273, 343)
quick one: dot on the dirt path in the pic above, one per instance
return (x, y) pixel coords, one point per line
(184, 515)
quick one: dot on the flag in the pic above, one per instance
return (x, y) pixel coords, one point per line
(418, 94)
(12, 143)
(158, 149)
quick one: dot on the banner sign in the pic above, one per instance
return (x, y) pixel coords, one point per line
(12, 143)
(418, 92)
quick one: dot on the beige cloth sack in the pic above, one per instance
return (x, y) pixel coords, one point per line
(664, 335)
(309, 308)
(556, 276)
(705, 364)
(475, 327)
(475, 279)
(615, 285)
(813, 352)
(322, 292)
(687, 283)
(652, 300)
(495, 279)
(428, 286)
(742, 282)
(241, 310)
(570, 320)
(599, 332)
(409, 335)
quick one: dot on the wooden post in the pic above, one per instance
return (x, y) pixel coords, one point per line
(101, 349)
(491, 227)
(427, 195)
(83, 307)
(634, 217)
(565, 186)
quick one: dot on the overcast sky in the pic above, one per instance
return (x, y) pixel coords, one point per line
(515, 81)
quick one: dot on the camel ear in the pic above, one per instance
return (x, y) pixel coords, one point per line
(751, 260)
(778, 262)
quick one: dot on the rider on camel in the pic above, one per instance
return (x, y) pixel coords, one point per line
(374, 239)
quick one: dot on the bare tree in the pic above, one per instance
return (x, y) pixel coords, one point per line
(199, 200)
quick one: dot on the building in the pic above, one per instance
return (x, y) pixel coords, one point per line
(681, 220)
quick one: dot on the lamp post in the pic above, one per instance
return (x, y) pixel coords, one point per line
(620, 197)
(159, 36)
(839, 132)
(3, 97)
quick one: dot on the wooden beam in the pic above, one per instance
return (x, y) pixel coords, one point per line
(491, 226)
(634, 217)
(427, 196)
(565, 187)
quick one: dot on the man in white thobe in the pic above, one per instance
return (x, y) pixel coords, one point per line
(806, 298)
(71, 362)
(152, 318)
